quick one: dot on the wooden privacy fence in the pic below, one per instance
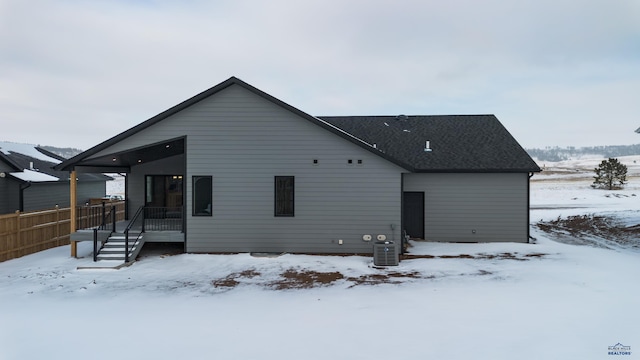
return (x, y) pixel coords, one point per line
(24, 233)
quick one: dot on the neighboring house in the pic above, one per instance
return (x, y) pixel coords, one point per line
(29, 182)
(246, 172)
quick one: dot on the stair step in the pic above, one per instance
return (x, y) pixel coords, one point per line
(116, 251)
(121, 244)
(114, 247)
(108, 257)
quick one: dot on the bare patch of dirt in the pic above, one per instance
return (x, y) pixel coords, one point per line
(385, 278)
(411, 257)
(231, 280)
(292, 279)
(307, 279)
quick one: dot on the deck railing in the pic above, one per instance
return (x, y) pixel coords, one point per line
(99, 216)
(163, 218)
(137, 225)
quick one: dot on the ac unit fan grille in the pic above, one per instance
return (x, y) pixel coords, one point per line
(385, 254)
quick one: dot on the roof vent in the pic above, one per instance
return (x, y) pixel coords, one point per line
(402, 117)
(427, 145)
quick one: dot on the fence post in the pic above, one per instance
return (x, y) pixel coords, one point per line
(57, 225)
(18, 240)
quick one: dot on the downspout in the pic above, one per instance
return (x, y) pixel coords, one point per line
(184, 195)
(23, 187)
(73, 216)
(402, 238)
(529, 207)
(73, 200)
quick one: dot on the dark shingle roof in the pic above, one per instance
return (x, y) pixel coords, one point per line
(22, 161)
(458, 143)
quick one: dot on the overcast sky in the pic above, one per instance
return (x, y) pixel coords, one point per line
(555, 72)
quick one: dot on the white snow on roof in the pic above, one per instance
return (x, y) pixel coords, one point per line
(33, 176)
(25, 149)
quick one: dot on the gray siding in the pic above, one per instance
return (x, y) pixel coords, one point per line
(243, 141)
(8, 191)
(9, 195)
(89, 190)
(47, 195)
(494, 205)
(41, 196)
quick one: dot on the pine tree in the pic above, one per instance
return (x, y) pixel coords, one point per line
(610, 174)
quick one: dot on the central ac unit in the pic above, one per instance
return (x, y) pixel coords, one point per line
(385, 253)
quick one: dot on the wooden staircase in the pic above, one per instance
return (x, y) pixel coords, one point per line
(114, 248)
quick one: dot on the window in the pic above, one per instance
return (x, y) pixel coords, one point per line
(202, 195)
(284, 195)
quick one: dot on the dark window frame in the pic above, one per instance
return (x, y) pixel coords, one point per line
(284, 196)
(200, 210)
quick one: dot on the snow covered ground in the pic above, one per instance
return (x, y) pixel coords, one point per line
(548, 300)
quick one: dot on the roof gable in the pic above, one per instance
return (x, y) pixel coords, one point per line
(461, 143)
(78, 159)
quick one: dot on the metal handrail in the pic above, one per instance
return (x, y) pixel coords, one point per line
(95, 244)
(103, 226)
(109, 218)
(138, 216)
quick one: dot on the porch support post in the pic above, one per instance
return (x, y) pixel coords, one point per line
(73, 197)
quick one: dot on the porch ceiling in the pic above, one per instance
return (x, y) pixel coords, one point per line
(136, 156)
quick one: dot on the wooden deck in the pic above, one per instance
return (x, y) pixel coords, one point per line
(156, 230)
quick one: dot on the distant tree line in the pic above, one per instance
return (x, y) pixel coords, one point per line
(66, 153)
(567, 153)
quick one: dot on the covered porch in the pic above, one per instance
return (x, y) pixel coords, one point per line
(154, 193)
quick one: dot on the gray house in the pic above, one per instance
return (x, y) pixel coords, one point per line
(29, 182)
(245, 172)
